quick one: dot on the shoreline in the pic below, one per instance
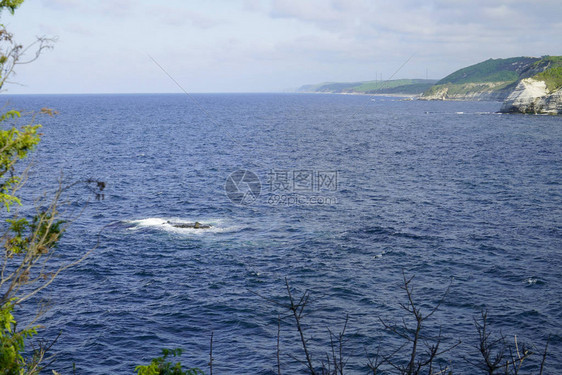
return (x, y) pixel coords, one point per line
(361, 94)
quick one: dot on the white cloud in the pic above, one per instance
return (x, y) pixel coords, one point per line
(63, 4)
(312, 10)
(181, 17)
(267, 44)
(76, 28)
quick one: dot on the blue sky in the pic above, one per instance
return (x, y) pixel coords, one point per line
(269, 45)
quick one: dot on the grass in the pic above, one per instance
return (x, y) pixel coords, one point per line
(381, 85)
(552, 77)
(554, 61)
(468, 88)
(492, 70)
(398, 86)
(500, 74)
(488, 76)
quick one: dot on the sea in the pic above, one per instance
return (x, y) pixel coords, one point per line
(329, 204)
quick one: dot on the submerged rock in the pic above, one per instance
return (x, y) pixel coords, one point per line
(196, 225)
(532, 96)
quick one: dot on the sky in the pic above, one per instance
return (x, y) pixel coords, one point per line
(115, 46)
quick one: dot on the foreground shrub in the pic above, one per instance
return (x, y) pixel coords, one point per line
(161, 366)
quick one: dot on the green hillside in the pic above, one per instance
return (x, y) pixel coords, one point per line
(552, 73)
(492, 70)
(552, 77)
(398, 86)
(494, 79)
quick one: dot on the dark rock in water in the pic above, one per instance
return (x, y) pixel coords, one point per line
(196, 225)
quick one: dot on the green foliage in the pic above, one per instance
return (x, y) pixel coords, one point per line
(14, 146)
(384, 86)
(552, 77)
(459, 90)
(11, 5)
(161, 366)
(407, 89)
(17, 242)
(330, 87)
(32, 241)
(551, 61)
(46, 226)
(494, 75)
(492, 70)
(501, 76)
(26, 244)
(12, 343)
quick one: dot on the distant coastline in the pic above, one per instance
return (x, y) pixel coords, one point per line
(525, 84)
(415, 96)
(407, 87)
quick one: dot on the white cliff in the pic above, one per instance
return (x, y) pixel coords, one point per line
(532, 96)
(492, 91)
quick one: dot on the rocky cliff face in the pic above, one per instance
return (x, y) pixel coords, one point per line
(532, 96)
(496, 91)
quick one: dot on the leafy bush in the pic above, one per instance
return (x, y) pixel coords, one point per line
(160, 366)
(12, 344)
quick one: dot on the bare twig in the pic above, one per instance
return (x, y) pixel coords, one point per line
(39, 362)
(278, 352)
(211, 355)
(487, 346)
(413, 336)
(297, 310)
(337, 350)
(14, 54)
(543, 361)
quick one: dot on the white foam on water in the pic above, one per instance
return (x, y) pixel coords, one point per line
(463, 113)
(218, 225)
(149, 222)
(379, 255)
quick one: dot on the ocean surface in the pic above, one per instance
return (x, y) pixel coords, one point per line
(339, 195)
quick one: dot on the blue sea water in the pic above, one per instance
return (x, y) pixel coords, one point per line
(354, 192)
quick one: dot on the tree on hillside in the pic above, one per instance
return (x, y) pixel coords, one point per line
(28, 241)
